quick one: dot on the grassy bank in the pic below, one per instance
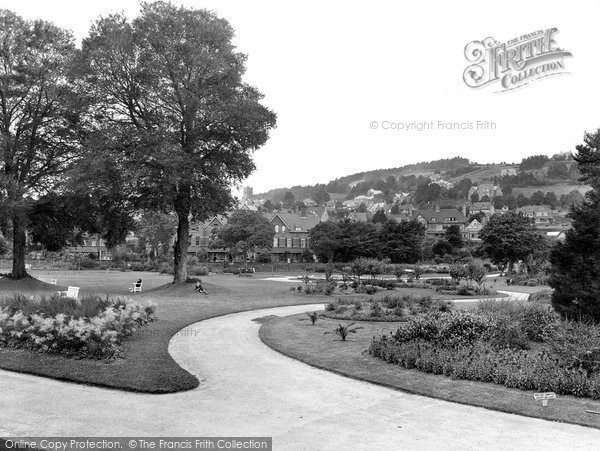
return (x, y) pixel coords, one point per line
(146, 365)
(309, 344)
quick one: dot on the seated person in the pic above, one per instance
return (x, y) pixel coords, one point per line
(138, 284)
(200, 288)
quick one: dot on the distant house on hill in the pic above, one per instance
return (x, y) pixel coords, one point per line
(541, 214)
(508, 171)
(357, 216)
(482, 207)
(248, 206)
(485, 189)
(318, 212)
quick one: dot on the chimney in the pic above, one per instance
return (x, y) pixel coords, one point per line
(464, 210)
(437, 208)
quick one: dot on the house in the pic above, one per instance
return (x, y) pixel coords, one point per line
(309, 202)
(437, 221)
(349, 204)
(541, 214)
(473, 229)
(358, 216)
(362, 199)
(376, 206)
(508, 171)
(374, 192)
(93, 245)
(485, 189)
(482, 207)
(248, 206)
(318, 212)
(291, 238)
(201, 235)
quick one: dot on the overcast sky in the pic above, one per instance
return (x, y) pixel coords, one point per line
(329, 69)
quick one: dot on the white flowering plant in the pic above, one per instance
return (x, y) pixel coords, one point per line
(99, 336)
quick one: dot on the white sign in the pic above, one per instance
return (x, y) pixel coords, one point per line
(544, 397)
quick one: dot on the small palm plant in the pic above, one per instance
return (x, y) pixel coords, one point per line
(313, 316)
(344, 330)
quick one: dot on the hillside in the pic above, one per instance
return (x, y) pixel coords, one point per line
(556, 174)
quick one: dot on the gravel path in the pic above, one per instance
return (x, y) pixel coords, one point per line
(249, 389)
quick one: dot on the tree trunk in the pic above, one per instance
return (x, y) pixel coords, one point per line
(509, 270)
(18, 270)
(182, 208)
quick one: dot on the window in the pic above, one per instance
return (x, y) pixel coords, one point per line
(302, 242)
(93, 242)
(275, 242)
(276, 229)
(281, 242)
(298, 229)
(295, 242)
(283, 228)
(289, 242)
(197, 241)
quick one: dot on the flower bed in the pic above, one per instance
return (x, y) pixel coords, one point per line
(494, 344)
(391, 307)
(92, 328)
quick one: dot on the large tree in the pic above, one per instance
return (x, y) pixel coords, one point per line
(575, 271)
(401, 241)
(39, 122)
(245, 231)
(176, 122)
(509, 238)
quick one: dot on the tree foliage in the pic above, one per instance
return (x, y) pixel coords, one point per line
(40, 124)
(348, 240)
(575, 270)
(509, 238)
(245, 231)
(177, 125)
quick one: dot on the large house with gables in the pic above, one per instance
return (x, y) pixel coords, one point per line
(437, 221)
(291, 239)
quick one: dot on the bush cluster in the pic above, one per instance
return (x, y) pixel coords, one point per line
(491, 345)
(390, 307)
(93, 328)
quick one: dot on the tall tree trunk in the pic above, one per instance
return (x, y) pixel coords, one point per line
(510, 269)
(18, 270)
(182, 208)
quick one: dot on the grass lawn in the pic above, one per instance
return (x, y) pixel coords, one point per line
(147, 365)
(309, 344)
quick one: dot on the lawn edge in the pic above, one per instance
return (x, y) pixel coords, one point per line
(107, 386)
(282, 351)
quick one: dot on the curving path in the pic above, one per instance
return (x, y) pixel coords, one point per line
(249, 389)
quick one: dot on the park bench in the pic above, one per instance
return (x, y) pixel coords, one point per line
(72, 292)
(136, 287)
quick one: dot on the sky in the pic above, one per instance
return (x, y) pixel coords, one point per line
(341, 75)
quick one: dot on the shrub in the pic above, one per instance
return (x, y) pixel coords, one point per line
(93, 328)
(198, 271)
(166, 268)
